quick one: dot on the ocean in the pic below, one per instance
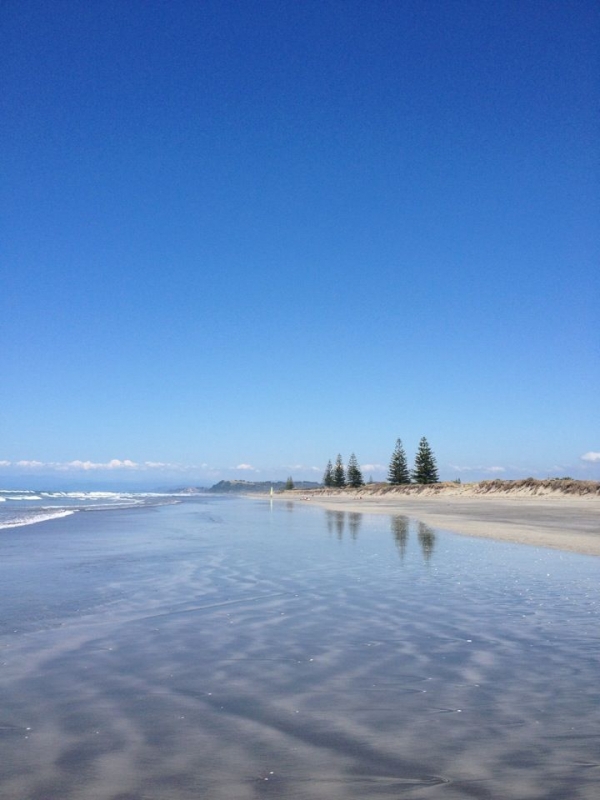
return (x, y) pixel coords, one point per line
(158, 647)
(29, 506)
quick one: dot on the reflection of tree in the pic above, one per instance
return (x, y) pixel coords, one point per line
(426, 540)
(400, 531)
(329, 520)
(354, 521)
(335, 521)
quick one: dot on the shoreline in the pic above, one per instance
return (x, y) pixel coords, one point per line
(556, 520)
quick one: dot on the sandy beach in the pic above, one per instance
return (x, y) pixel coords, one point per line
(560, 521)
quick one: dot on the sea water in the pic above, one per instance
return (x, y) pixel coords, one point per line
(28, 506)
(237, 649)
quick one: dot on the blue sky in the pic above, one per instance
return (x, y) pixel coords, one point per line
(239, 238)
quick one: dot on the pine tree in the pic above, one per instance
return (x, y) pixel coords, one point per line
(354, 475)
(289, 484)
(339, 476)
(328, 476)
(398, 472)
(425, 470)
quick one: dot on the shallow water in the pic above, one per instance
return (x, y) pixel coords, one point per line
(236, 649)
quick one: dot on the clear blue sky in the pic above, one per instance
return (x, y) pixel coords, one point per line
(241, 237)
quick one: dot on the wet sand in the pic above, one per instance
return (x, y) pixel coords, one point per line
(236, 650)
(559, 522)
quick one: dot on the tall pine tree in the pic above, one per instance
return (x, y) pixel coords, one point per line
(353, 473)
(328, 476)
(425, 470)
(398, 472)
(339, 476)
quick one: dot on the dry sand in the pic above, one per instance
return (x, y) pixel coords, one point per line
(560, 521)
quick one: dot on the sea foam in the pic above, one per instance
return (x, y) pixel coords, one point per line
(20, 521)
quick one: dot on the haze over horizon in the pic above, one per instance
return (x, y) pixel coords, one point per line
(242, 238)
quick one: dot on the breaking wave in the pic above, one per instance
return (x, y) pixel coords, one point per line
(22, 507)
(31, 519)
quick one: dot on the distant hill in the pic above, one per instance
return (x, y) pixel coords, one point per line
(232, 487)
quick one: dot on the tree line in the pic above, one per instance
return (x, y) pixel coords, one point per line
(338, 477)
(424, 470)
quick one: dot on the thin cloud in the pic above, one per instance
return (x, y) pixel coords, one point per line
(458, 468)
(248, 467)
(591, 456)
(78, 465)
(114, 463)
(372, 467)
(126, 463)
